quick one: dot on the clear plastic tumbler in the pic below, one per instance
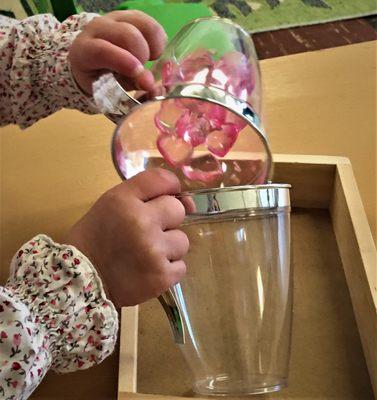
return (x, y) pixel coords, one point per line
(236, 300)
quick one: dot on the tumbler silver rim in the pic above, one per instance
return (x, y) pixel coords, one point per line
(238, 200)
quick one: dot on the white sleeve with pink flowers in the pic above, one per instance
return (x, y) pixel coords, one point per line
(53, 314)
(35, 76)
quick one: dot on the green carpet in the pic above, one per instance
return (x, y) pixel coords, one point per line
(266, 15)
(253, 15)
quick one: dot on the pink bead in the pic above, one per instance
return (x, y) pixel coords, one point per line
(168, 115)
(175, 150)
(219, 142)
(233, 73)
(234, 119)
(196, 67)
(214, 113)
(192, 128)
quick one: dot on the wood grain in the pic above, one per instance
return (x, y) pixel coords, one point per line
(325, 103)
(139, 396)
(129, 332)
(311, 177)
(301, 39)
(358, 253)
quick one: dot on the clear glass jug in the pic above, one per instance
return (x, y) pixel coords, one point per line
(207, 109)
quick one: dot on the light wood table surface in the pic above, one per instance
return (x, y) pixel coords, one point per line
(315, 103)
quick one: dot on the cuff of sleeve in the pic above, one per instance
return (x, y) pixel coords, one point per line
(40, 75)
(72, 96)
(65, 295)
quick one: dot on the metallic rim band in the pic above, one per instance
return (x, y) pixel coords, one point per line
(251, 199)
(216, 95)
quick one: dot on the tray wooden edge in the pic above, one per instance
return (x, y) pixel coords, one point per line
(318, 182)
(359, 259)
(127, 376)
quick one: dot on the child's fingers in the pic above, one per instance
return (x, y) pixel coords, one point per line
(100, 54)
(153, 183)
(177, 244)
(177, 271)
(168, 210)
(148, 26)
(189, 204)
(144, 82)
(123, 35)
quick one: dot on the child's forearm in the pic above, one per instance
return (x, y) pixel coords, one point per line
(35, 76)
(54, 314)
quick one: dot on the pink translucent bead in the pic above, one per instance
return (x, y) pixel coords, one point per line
(219, 142)
(168, 115)
(205, 169)
(192, 128)
(214, 113)
(175, 150)
(233, 73)
(234, 119)
(197, 66)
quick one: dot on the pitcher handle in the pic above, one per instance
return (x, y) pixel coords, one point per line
(115, 102)
(172, 310)
(112, 99)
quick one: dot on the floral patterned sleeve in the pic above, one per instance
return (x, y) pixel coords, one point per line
(54, 314)
(35, 76)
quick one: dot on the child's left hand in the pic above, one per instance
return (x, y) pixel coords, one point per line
(120, 42)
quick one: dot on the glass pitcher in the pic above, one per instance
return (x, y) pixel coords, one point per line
(207, 109)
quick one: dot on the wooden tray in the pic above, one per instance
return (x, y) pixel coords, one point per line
(334, 338)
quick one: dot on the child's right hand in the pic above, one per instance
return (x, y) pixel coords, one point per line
(131, 236)
(120, 42)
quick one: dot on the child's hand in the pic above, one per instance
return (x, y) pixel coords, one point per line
(121, 42)
(131, 236)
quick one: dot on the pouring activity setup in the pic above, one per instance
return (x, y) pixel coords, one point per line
(231, 315)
